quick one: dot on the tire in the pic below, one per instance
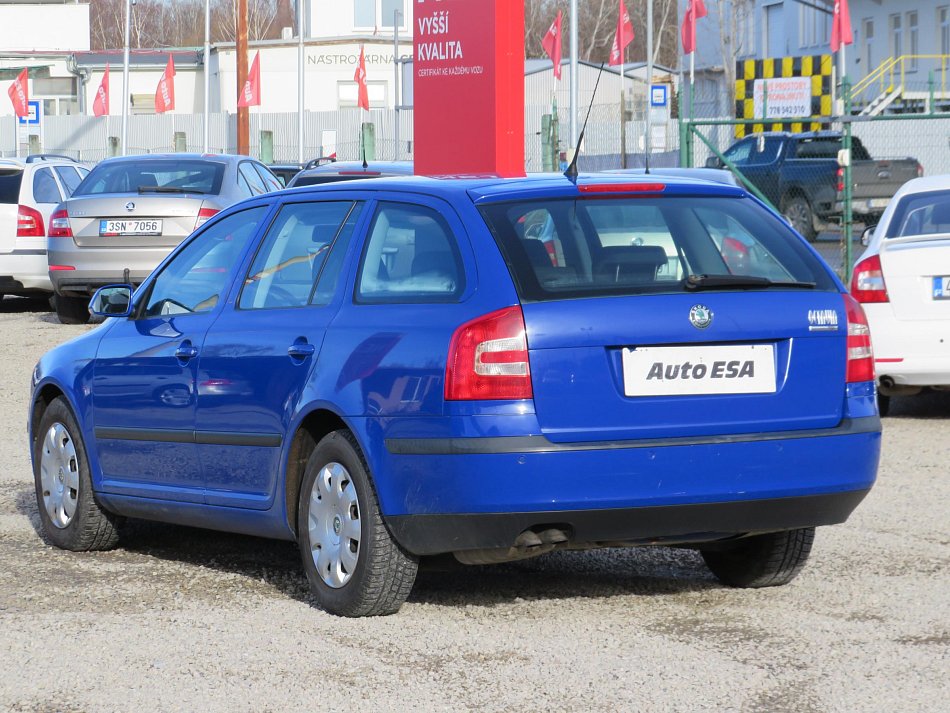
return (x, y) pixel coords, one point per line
(796, 208)
(883, 404)
(71, 517)
(72, 310)
(761, 560)
(353, 565)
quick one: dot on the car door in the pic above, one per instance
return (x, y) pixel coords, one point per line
(144, 383)
(259, 354)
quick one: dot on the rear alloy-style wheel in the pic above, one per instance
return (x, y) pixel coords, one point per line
(796, 208)
(71, 517)
(353, 565)
(761, 560)
(72, 310)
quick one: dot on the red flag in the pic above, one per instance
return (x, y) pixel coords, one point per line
(552, 44)
(841, 26)
(251, 94)
(19, 94)
(165, 94)
(695, 9)
(360, 78)
(100, 105)
(622, 38)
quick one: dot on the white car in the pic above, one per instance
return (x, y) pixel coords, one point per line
(30, 190)
(903, 282)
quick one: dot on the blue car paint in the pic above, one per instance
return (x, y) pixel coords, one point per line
(380, 370)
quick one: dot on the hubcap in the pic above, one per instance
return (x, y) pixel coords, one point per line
(333, 524)
(59, 475)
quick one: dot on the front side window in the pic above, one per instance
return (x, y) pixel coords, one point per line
(621, 246)
(45, 189)
(293, 252)
(199, 274)
(411, 255)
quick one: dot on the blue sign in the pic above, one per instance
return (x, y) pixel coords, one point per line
(658, 95)
(33, 114)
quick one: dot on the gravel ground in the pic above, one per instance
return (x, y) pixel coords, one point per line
(184, 620)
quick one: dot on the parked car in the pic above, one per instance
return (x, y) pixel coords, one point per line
(284, 172)
(799, 174)
(903, 282)
(716, 175)
(398, 368)
(30, 190)
(349, 171)
(129, 213)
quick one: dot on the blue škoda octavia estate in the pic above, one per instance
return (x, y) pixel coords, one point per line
(495, 368)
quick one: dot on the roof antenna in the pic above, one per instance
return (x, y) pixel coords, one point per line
(571, 172)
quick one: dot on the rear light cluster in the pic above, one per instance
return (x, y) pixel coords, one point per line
(29, 223)
(59, 225)
(621, 187)
(867, 281)
(203, 215)
(488, 359)
(840, 182)
(860, 357)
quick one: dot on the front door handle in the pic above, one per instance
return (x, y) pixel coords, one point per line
(301, 350)
(186, 351)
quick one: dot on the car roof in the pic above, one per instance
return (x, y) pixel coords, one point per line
(402, 168)
(216, 157)
(483, 189)
(716, 175)
(45, 161)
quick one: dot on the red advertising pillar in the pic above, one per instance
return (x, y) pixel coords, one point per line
(468, 87)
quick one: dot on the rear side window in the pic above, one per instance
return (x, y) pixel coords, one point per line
(270, 180)
(10, 186)
(253, 178)
(411, 255)
(293, 253)
(45, 189)
(154, 176)
(921, 214)
(589, 247)
(69, 177)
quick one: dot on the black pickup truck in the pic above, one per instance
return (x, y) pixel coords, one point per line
(800, 176)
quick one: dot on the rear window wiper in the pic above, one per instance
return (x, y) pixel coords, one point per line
(712, 282)
(168, 189)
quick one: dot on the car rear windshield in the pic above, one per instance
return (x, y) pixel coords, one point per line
(585, 247)
(921, 214)
(154, 176)
(10, 186)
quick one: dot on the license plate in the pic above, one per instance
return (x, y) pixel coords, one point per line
(941, 289)
(684, 371)
(878, 203)
(130, 227)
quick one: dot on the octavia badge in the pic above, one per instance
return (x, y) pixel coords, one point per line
(700, 316)
(130, 206)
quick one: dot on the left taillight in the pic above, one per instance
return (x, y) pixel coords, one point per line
(204, 215)
(59, 225)
(860, 365)
(29, 223)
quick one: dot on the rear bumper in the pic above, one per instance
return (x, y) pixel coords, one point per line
(701, 522)
(441, 495)
(909, 352)
(95, 267)
(23, 272)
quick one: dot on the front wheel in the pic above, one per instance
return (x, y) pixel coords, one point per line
(796, 208)
(354, 566)
(72, 518)
(766, 560)
(72, 310)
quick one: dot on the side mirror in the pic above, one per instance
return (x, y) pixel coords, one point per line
(112, 301)
(867, 235)
(713, 162)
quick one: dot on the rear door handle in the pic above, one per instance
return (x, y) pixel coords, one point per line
(186, 351)
(301, 350)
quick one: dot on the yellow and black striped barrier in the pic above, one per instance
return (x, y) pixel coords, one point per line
(818, 67)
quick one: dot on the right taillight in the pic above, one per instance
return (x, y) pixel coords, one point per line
(59, 225)
(488, 359)
(860, 357)
(204, 215)
(867, 281)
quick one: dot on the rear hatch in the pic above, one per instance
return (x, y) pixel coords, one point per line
(10, 178)
(875, 182)
(672, 315)
(917, 275)
(133, 220)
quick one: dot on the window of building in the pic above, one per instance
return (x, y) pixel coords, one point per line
(897, 32)
(912, 40)
(814, 27)
(868, 28)
(745, 28)
(377, 13)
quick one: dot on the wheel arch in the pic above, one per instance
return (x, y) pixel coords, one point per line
(43, 397)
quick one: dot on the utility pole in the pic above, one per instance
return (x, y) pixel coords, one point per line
(243, 114)
(125, 78)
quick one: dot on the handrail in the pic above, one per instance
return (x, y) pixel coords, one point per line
(885, 72)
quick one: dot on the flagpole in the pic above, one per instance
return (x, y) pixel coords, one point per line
(300, 82)
(206, 124)
(125, 78)
(623, 123)
(648, 143)
(574, 77)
